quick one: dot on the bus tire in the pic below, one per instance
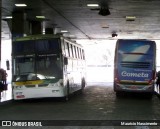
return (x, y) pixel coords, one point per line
(149, 95)
(83, 84)
(118, 94)
(67, 92)
(114, 87)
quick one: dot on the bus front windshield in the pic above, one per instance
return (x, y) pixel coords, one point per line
(37, 67)
(140, 52)
(139, 57)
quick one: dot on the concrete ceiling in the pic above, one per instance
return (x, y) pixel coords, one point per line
(85, 22)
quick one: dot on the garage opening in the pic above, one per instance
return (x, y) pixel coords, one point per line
(99, 61)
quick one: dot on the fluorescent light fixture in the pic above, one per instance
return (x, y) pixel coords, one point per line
(8, 17)
(20, 5)
(41, 17)
(92, 5)
(72, 36)
(130, 18)
(64, 31)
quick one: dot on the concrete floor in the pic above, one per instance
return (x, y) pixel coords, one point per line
(6, 95)
(97, 103)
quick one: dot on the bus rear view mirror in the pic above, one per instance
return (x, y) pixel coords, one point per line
(7, 65)
(65, 61)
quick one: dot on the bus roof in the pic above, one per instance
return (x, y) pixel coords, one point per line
(36, 37)
(45, 36)
(41, 36)
(135, 40)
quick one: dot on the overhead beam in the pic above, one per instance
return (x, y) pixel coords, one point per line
(36, 27)
(18, 24)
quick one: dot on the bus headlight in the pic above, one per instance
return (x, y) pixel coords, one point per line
(59, 83)
(16, 87)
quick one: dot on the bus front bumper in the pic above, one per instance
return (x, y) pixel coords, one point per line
(45, 92)
(134, 88)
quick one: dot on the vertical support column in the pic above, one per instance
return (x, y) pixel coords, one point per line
(36, 27)
(48, 30)
(0, 28)
(18, 24)
(57, 30)
(0, 34)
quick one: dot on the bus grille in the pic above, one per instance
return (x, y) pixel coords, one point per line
(42, 85)
(30, 86)
(135, 64)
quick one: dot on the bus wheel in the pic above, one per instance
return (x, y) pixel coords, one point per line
(149, 95)
(83, 84)
(118, 94)
(67, 93)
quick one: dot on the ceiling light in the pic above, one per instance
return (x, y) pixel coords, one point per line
(92, 5)
(8, 17)
(41, 17)
(72, 36)
(20, 5)
(43, 32)
(130, 18)
(64, 31)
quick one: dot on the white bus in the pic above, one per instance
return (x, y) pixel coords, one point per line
(47, 66)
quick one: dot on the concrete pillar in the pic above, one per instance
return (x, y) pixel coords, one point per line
(0, 34)
(19, 26)
(57, 30)
(48, 30)
(36, 27)
(0, 28)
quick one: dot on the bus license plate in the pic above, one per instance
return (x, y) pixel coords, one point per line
(133, 87)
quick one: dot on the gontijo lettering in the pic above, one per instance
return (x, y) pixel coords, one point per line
(127, 74)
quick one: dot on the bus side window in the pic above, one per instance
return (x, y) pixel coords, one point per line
(70, 50)
(63, 47)
(80, 53)
(77, 52)
(83, 56)
(71, 46)
(66, 49)
(65, 61)
(75, 49)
